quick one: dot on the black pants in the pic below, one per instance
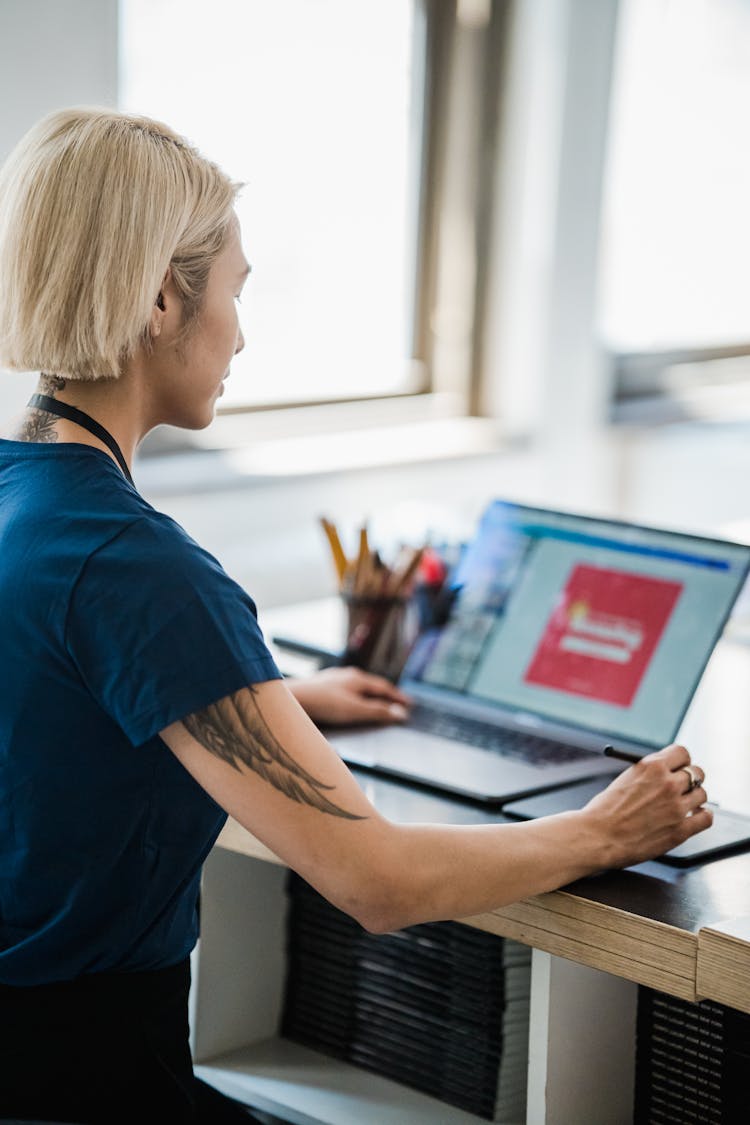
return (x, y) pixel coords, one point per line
(108, 1049)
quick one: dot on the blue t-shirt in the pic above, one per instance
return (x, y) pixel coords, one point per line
(114, 623)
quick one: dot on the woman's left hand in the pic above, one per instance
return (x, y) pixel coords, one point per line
(338, 696)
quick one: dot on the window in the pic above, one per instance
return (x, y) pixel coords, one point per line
(315, 105)
(676, 243)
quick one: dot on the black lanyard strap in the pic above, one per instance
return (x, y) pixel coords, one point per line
(73, 414)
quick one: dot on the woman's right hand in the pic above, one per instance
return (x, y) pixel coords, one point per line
(650, 807)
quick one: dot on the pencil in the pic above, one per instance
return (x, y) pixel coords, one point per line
(339, 558)
(362, 571)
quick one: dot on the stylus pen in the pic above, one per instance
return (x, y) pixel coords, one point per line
(623, 755)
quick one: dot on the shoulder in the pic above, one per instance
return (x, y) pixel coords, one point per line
(152, 549)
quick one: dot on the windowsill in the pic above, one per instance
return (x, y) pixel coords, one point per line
(316, 440)
(727, 403)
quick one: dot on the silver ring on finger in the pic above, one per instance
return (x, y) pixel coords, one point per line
(694, 777)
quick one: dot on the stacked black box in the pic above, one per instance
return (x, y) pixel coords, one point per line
(441, 1008)
(692, 1062)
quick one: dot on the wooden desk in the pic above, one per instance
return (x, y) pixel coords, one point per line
(723, 964)
(685, 932)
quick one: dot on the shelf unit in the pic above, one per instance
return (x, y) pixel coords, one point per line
(236, 999)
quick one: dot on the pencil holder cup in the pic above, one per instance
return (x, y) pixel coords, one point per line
(380, 633)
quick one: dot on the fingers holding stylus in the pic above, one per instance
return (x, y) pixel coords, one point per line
(655, 805)
(687, 776)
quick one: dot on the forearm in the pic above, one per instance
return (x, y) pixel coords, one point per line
(432, 873)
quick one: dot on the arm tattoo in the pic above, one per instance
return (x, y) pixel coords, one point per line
(235, 731)
(38, 425)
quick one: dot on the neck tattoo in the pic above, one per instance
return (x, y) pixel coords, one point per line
(38, 425)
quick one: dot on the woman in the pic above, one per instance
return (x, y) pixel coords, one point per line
(139, 704)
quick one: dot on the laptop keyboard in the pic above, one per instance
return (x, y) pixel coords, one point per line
(520, 745)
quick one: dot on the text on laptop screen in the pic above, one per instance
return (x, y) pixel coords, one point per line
(587, 622)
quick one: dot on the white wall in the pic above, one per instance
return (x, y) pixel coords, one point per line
(53, 53)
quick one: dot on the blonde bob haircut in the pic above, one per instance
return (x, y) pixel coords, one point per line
(95, 206)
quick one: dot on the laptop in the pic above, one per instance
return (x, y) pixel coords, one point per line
(566, 632)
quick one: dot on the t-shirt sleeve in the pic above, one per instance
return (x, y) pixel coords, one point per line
(157, 629)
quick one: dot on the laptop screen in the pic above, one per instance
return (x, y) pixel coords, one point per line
(587, 622)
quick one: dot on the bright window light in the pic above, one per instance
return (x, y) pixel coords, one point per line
(309, 103)
(676, 235)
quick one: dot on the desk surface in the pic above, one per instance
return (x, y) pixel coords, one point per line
(679, 930)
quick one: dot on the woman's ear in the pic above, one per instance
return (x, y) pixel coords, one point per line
(157, 318)
(159, 310)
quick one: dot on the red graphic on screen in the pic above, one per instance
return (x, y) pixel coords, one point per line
(602, 634)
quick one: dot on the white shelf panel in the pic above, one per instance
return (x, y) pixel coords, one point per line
(308, 1088)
